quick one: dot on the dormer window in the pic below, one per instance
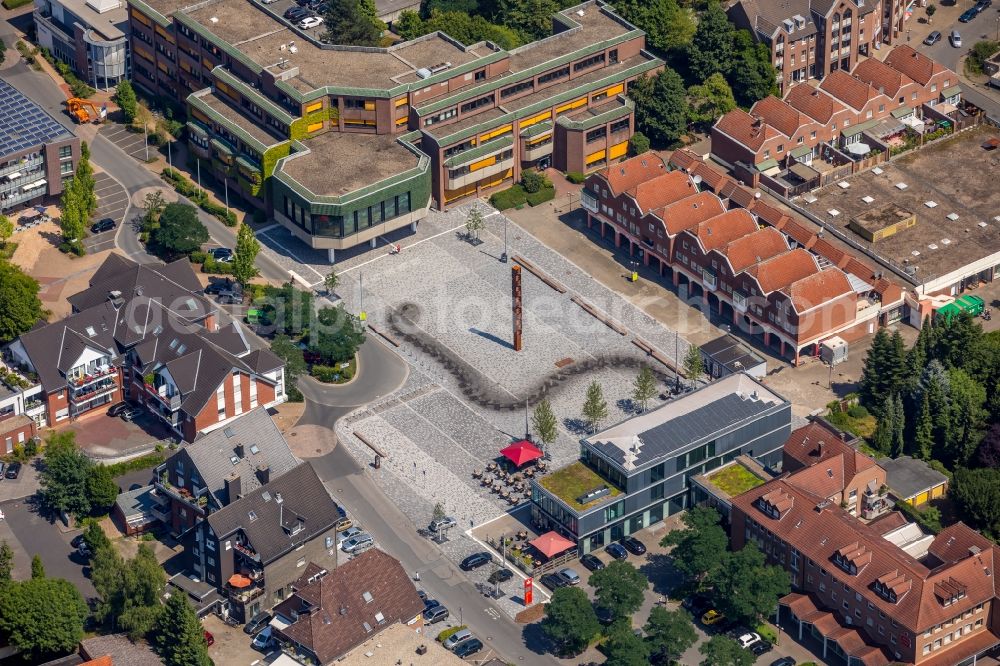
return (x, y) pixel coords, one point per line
(892, 586)
(949, 591)
(845, 564)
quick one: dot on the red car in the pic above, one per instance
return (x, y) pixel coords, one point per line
(209, 638)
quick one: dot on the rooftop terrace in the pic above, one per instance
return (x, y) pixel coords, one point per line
(573, 481)
(341, 162)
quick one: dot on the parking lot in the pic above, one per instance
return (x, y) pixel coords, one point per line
(132, 143)
(281, 6)
(113, 204)
(109, 437)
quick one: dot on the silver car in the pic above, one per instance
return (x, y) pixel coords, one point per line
(358, 544)
(571, 577)
(349, 533)
(459, 636)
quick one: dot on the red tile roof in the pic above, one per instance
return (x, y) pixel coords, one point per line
(782, 270)
(683, 159)
(754, 248)
(662, 190)
(849, 90)
(814, 103)
(817, 441)
(819, 288)
(745, 129)
(779, 115)
(720, 230)
(880, 76)
(888, 522)
(823, 479)
(916, 65)
(689, 212)
(625, 175)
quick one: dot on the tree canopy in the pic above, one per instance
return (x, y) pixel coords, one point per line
(698, 549)
(64, 476)
(624, 648)
(721, 650)
(337, 335)
(644, 387)
(544, 422)
(295, 364)
(245, 256)
(595, 407)
(709, 100)
(20, 307)
(125, 99)
(977, 492)
(42, 616)
(349, 23)
(570, 620)
(670, 632)
(711, 48)
(660, 107)
(669, 27)
(180, 232)
(619, 587)
(747, 589)
(178, 634)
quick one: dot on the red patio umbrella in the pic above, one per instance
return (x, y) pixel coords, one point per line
(551, 544)
(521, 452)
(239, 580)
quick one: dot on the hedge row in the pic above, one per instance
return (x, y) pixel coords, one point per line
(509, 198)
(331, 374)
(198, 196)
(210, 265)
(135, 464)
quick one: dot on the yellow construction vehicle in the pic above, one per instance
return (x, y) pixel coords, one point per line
(78, 109)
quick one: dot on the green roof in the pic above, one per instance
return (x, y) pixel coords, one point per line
(223, 146)
(617, 111)
(767, 164)
(952, 91)
(485, 149)
(734, 479)
(536, 129)
(260, 100)
(858, 129)
(801, 151)
(574, 480)
(902, 112)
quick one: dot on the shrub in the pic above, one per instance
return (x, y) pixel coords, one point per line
(325, 373)
(449, 632)
(73, 247)
(147, 461)
(199, 257)
(857, 412)
(532, 181)
(541, 196)
(575, 177)
(14, 4)
(768, 633)
(508, 198)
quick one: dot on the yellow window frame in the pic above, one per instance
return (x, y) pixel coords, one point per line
(314, 107)
(618, 150)
(540, 139)
(615, 90)
(594, 157)
(369, 105)
(401, 101)
(401, 121)
(314, 127)
(535, 119)
(575, 104)
(482, 164)
(141, 18)
(500, 131)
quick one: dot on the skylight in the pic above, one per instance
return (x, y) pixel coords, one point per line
(228, 432)
(191, 304)
(181, 349)
(173, 343)
(254, 449)
(379, 617)
(368, 627)
(266, 496)
(367, 596)
(252, 515)
(90, 331)
(234, 460)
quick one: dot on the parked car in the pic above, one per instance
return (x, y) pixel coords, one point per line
(343, 524)
(475, 561)
(296, 13)
(459, 636)
(616, 551)
(501, 576)
(341, 511)
(442, 524)
(748, 639)
(431, 603)
(233, 295)
(711, 617)
(218, 286)
(221, 254)
(554, 582)
(956, 39)
(3, 466)
(209, 639)
(933, 38)
(436, 614)
(129, 413)
(358, 544)
(784, 661)
(469, 647)
(968, 15)
(592, 562)
(311, 22)
(633, 545)
(983, 5)
(263, 640)
(571, 577)
(105, 224)
(697, 604)
(761, 647)
(117, 408)
(256, 623)
(349, 533)
(13, 470)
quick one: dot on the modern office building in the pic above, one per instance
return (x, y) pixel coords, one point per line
(639, 471)
(91, 36)
(37, 154)
(343, 144)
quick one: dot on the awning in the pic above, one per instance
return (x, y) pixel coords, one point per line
(801, 151)
(767, 164)
(279, 621)
(859, 149)
(34, 185)
(803, 172)
(551, 544)
(902, 112)
(239, 581)
(13, 176)
(521, 452)
(858, 285)
(951, 92)
(886, 127)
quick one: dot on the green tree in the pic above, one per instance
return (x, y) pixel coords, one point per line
(64, 475)
(698, 548)
(6, 562)
(967, 399)
(660, 107)
(752, 74)
(94, 536)
(42, 616)
(668, 26)
(143, 582)
(710, 100)
(885, 429)
(694, 365)
(347, 24)
(20, 307)
(570, 620)
(644, 387)
(530, 19)
(180, 232)
(102, 491)
(409, 25)
(935, 385)
(126, 100)
(638, 144)
(711, 48)
(619, 587)
(331, 281)
(898, 440)
(6, 229)
(882, 370)
(295, 365)
(670, 633)
(370, 11)
(107, 572)
(37, 567)
(595, 407)
(721, 650)
(178, 634)
(543, 421)
(73, 218)
(245, 256)
(923, 432)
(747, 589)
(471, 29)
(474, 222)
(337, 335)
(977, 492)
(624, 648)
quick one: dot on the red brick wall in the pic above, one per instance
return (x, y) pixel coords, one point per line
(11, 439)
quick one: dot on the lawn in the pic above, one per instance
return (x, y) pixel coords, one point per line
(574, 480)
(860, 427)
(735, 479)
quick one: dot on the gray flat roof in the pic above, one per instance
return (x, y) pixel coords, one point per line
(575, 82)
(111, 24)
(682, 422)
(227, 109)
(730, 350)
(596, 25)
(24, 124)
(341, 162)
(908, 477)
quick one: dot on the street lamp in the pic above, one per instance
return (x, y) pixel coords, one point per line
(503, 257)
(145, 137)
(225, 183)
(198, 160)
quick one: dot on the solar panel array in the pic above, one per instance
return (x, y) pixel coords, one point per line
(23, 124)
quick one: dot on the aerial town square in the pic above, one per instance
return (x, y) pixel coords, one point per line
(388, 332)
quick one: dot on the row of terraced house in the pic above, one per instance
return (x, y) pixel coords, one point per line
(343, 144)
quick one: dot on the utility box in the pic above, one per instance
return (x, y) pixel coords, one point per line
(833, 350)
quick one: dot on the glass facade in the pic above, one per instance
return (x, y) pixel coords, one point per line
(340, 226)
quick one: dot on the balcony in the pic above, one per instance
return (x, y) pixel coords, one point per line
(246, 594)
(589, 201)
(93, 391)
(532, 153)
(91, 377)
(740, 301)
(709, 279)
(170, 403)
(34, 164)
(197, 503)
(243, 550)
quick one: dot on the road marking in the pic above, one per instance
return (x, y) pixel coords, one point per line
(493, 613)
(293, 256)
(264, 230)
(403, 247)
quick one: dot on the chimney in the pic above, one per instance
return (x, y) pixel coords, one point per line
(239, 451)
(263, 474)
(819, 449)
(233, 489)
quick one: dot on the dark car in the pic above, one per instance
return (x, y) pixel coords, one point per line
(77, 540)
(107, 224)
(13, 470)
(341, 511)
(218, 286)
(554, 582)
(983, 5)
(256, 623)
(784, 661)
(431, 603)
(436, 614)
(117, 408)
(592, 562)
(760, 647)
(616, 551)
(933, 38)
(633, 545)
(221, 254)
(968, 15)
(697, 604)
(475, 561)
(296, 13)
(501, 576)
(468, 647)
